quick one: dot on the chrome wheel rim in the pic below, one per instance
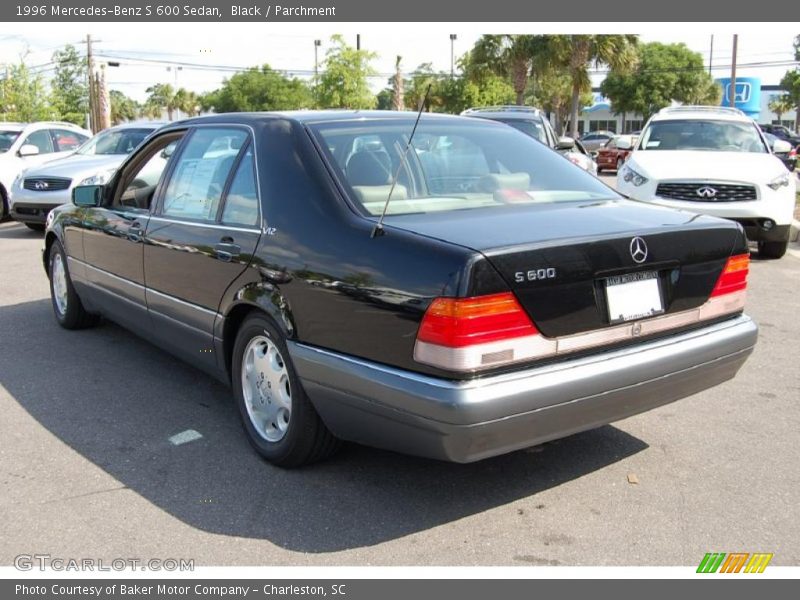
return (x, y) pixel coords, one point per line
(266, 388)
(59, 276)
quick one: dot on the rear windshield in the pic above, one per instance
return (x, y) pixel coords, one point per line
(6, 139)
(703, 135)
(120, 141)
(453, 165)
(535, 129)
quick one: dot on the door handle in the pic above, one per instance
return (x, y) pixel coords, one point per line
(226, 251)
(135, 232)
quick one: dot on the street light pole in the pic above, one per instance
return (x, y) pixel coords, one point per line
(453, 38)
(317, 44)
(732, 89)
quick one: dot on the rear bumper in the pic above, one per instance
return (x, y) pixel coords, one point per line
(467, 421)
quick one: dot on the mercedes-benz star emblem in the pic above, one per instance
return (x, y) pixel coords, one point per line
(41, 185)
(638, 250)
(706, 192)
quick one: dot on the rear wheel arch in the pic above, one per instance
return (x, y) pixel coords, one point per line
(234, 319)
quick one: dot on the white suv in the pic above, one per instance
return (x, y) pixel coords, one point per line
(24, 145)
(714, 160)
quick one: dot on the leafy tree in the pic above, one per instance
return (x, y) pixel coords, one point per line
(187, 102)
(343, 83)
(553, 93)
(791, 83)
(23, 96)
(781, 105)
(123, 108)
(161, 97)
(511, 56)
(576, 53)
(69, 88)
(257, 89)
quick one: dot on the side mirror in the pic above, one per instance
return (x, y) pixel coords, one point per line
(88, 195)
(780, 146)
(565, 143)
(28, 150)
(624, 145)
(168, 150)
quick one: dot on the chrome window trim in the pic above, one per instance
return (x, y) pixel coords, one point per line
(204, 224)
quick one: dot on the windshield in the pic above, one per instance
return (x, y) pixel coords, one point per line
(531, 128)
(120, 141)
(6, 139)
(703, 135)
(453, 165)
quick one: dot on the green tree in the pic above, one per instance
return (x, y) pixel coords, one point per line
(69, 88)
(576, 53)
(781, 105)
(514, 57)
(791, 83)
(553, 93)
(161, 97)
(344, 81)
(187, 102)
(257, 89)
(23, 96)
(123, 108)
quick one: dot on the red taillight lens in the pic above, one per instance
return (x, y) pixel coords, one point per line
(459, 322)
(734, 276)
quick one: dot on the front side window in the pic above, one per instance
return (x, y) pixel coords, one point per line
(141, 179)
(452, 165)
(42, 140)
(196, 185)
(121, 141)
(703, 135)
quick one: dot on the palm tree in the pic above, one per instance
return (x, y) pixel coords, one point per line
(577, 52)
(512, 56)
(781, 105)
(186, 101)
(397, 86)
(162, 95)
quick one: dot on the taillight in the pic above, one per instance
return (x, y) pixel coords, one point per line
(472, 333)
(734, 276)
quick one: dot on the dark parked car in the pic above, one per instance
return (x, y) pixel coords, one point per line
(614, 154)
(506, 299)
(594, 140)
(787, 158)
(782, 132)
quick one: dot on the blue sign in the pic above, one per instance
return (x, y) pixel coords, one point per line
(747, 96)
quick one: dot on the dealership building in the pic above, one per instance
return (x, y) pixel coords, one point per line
(752, 97)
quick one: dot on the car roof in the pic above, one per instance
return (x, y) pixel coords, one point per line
(717, 113)
(136, 125)
(323, 116)
(511, 112)
(12, 126)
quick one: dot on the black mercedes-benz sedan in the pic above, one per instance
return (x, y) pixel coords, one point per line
(455, 290)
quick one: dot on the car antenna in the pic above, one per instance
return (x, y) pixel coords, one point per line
(378, 229)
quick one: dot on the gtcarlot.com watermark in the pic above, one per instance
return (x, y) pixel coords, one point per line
(44, 562)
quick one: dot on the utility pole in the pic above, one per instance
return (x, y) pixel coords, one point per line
(93, 104)
(317, 44)
(711, 54)
(358, 41)
(453, 38)
(732, 89)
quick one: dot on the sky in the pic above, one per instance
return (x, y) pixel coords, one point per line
(199, 56)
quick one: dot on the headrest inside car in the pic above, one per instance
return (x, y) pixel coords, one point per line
(367, 167)
(504, 181)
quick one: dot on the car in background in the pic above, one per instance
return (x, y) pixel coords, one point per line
(714, 160)
(37, 190)
(472, 297)
(782, 132)
(787, 153)
(534, 123)
(614, 154)
(24, 145)
(594, 140)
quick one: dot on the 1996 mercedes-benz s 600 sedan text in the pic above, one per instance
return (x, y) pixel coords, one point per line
(505, 298)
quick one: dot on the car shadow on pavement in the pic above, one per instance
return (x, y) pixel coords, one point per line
(116, 400)
(10, 230)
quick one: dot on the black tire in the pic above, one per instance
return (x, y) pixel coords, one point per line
(772, 249)
(35, 226)
(3, 205)
(74, 316)
(306, 439)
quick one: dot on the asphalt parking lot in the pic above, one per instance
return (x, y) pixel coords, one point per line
(87, 469)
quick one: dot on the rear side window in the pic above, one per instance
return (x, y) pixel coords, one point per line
(67, 140)
(241, 201)
(196, 185)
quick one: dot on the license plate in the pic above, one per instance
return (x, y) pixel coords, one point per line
(633, 296)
